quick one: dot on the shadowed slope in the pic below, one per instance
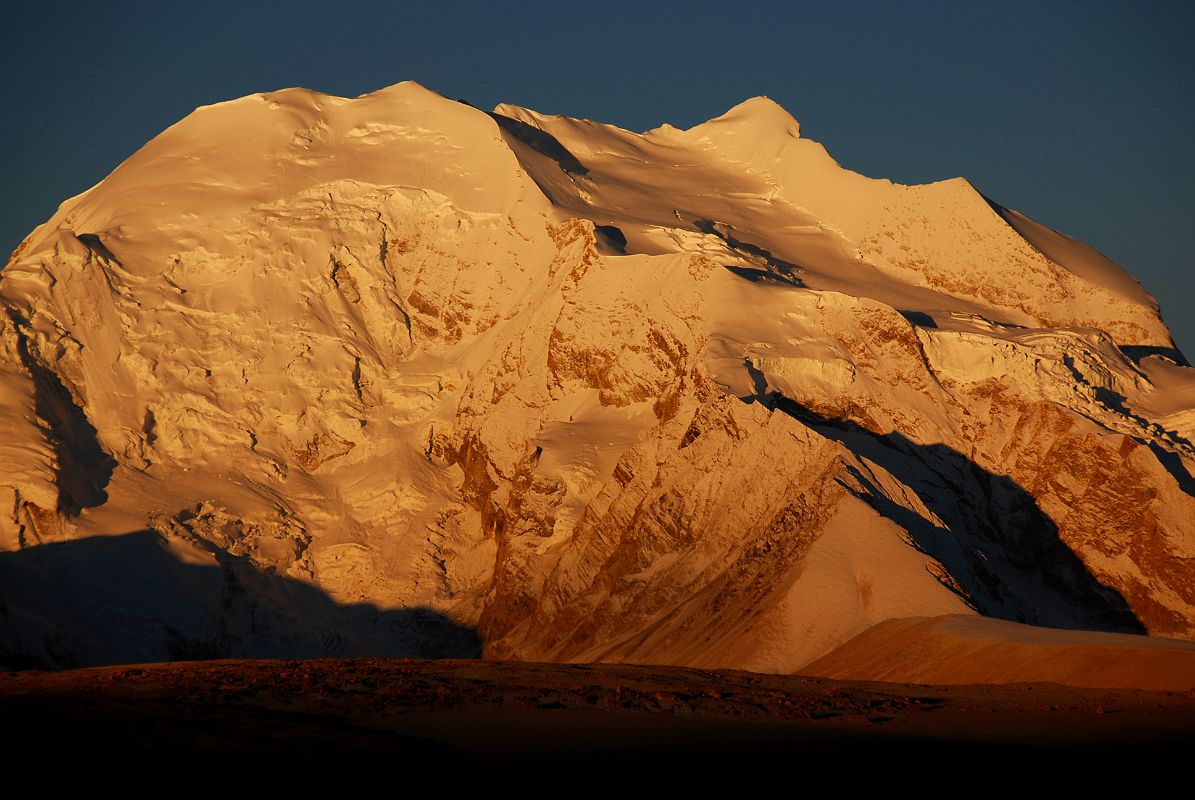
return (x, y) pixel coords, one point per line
(1002, 553)
(143, 597)
(84, 469)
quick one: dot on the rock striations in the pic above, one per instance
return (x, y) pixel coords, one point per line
(309, 375)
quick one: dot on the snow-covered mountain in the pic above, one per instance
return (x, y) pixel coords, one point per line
(314, 375)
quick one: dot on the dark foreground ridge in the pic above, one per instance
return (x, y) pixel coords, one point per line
(602, 721)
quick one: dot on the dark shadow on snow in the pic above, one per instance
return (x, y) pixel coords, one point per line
(763, 276)
(777, 270)
(84, 469)
(1174, 465)
(142, 597)
(541, 142)
(1119, 403)
(613, 236)
(97, 247)
(1140, 352)
(1004, 552)
(759, 381)
(919, 318)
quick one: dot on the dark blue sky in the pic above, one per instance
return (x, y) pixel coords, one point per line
(1080, 114)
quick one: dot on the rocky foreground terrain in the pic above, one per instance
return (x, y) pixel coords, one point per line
(307, 722)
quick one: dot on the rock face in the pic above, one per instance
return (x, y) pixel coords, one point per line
(380, 369)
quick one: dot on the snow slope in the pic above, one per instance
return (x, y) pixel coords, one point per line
(697, 397)
(972, 650)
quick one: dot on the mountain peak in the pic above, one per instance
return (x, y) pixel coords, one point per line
(404, 88)
(692, 397)
(758, 113)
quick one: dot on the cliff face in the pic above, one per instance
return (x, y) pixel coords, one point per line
(695, 397)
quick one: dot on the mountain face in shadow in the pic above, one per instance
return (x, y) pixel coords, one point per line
(140, 597)
(1004, 554)
(83, 467)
